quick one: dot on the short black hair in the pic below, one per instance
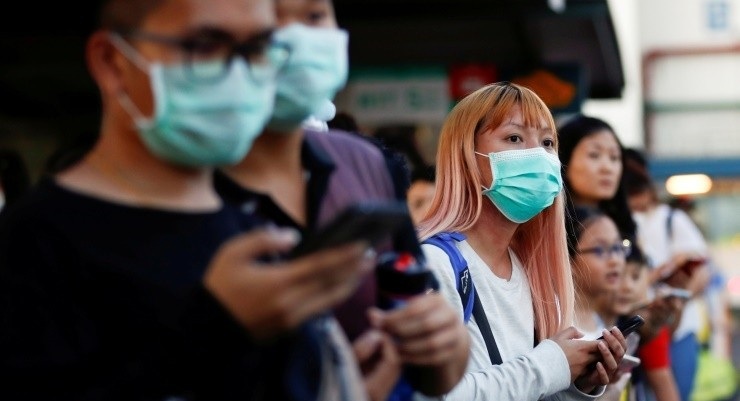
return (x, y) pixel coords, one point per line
(576, 221)
(124, 15)
(636, 255)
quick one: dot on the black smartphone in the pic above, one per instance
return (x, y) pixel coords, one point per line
(629, 325)
(369, 221)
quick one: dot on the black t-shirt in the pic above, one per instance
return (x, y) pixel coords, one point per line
(341, 170)
(103, 301)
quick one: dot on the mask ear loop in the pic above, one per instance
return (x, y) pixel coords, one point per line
(129, 51)
(133, 55)
(131, 108)
(489, 158)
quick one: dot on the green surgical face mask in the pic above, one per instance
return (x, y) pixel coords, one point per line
(525, 182)
(315, 71)
(199, 124)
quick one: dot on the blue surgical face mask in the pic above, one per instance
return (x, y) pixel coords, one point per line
(199, 124)
(315, 72)
(525, 182)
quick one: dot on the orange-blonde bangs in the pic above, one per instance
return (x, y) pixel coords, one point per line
(534, 110)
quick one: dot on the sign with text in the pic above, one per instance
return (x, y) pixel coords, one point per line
(396, 95)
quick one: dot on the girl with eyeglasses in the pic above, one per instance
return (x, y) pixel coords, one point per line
(597, 253)
(598, 256)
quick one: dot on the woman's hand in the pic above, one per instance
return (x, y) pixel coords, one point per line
(606, 370)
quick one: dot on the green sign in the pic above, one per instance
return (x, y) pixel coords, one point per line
(396, 95)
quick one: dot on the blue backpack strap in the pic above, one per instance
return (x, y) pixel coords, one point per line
(446, 242)
(470, 301)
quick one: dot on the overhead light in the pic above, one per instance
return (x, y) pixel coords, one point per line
(688, 184)
(557, 5)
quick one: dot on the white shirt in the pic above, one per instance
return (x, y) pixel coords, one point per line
(652, 235)
(527, 372)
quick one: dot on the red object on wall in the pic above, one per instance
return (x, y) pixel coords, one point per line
(464, 79)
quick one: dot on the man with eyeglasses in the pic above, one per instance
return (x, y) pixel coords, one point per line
(125, 277)
(298, 177)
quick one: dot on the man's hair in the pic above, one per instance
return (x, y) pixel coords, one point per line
(123, 15)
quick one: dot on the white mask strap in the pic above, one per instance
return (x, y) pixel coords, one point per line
(129, 51)
(130, 107)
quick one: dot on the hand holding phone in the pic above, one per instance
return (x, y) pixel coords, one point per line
(666, 291)
(688, 267)
(370, 221)
(629, 325)
(399, 277)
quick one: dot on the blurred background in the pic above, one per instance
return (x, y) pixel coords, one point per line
(664, 73)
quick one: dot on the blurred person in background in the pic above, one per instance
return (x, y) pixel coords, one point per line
(593, 163)
(14, 178)
(499, 207)
(125, 276)
(633, 297)
(597, 254)
(421, 192)
(402, 139)
(301, 178)
(671, 241)
(395, 160)
(591, 154)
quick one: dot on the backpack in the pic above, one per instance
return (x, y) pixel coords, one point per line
(470, 301)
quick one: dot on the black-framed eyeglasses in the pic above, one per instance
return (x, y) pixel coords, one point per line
(209, 56)
(621, 249)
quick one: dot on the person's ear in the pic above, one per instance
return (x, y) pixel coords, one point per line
(103, 62)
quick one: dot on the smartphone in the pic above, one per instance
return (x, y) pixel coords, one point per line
(628, 363)
(629, 325)
(369, 221)
(688, 267)
(668, 291)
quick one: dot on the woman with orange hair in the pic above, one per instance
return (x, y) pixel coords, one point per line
(499, 201)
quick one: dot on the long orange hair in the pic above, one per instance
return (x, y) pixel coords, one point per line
(541, 242)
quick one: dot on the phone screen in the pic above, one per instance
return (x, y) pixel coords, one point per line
(371, 221)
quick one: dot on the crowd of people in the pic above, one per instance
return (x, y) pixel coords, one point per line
(155, 263)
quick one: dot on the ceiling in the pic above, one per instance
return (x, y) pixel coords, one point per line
(42, 76)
